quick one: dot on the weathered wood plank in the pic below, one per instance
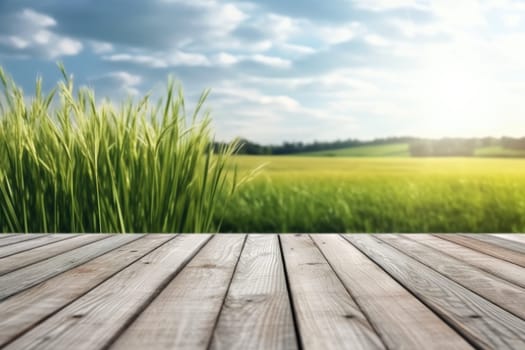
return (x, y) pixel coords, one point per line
(516, 237)
(24, 310)
(483, 323)
(31, 275)
(326, 314)
(5, 235)
(13, 239)
(499, 242)
(18, 261)
(501, 268)
(184, 314)
(95, 319)
(402, 321)
(32, 243)
(486, 248)
(257, 312)
(500, 292)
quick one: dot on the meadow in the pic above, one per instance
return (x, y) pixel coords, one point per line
(336, 194)
(70, 162)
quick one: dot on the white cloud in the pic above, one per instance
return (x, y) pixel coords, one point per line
(37, 19)
(146, 60)
(100, 47)
(126, 78)
(338, 34)
(384, 5)
(30, 32)
(161, 60)
(119, 83)
(376, 40)
(254, 96)
(276, 62)
(226, 59)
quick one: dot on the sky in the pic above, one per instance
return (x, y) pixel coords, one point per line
(299, 70)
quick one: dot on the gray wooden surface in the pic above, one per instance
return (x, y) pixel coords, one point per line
(262, 291)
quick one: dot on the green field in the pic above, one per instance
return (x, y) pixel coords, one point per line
(498, 151)
(314, 194)
(388, 150)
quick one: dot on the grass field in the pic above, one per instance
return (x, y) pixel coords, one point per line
(389, 150)
(314, 194)
(498, 151)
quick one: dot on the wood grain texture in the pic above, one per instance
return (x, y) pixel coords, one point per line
(483, 323)
(13, 239)
(184, 314)
(499, 242)
(31, 275)
(501, 268)
(402, 321)
(24, 310)
(326, 314)
(93, 320)
(500, 292)
(257, 312)
(32, 243)
(5, 235)
(18, 261)
(486, 248)
(516, 237)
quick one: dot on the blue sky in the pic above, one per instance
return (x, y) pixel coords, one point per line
(290, 70)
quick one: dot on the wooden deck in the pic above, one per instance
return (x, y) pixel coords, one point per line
(262, 291)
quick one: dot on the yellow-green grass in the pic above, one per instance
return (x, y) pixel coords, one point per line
(498, 151)
(68, 164)
(387, 150)
(313, 194)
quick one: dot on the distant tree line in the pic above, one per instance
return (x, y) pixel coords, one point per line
(418, 147)
(443, 147)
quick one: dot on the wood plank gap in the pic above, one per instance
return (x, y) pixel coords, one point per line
(401, 319)
(31, 307)
(486, 248)
(508, 271)
(5, 235)
(326, 314)
(498, 241)
(17, 238)
(92, 321)
(189, 304)
(480, 321)
(298, 338)
(29, 276)
(516, 237)
(208, 346)
(257, 313)
(18, 261)
(32, 244)
(498, 291)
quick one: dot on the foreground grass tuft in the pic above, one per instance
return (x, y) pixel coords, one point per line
(68, 164)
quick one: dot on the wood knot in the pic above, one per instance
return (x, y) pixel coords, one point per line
(349, 316)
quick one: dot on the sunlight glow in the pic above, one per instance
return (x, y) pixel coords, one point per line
(455, 94)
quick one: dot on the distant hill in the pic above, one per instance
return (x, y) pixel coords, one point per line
(498, 151)
(388, 150)
(392, 147)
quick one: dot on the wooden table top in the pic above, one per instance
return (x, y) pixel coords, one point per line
(262, 291)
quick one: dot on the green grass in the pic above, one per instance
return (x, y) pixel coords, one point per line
(68, 164)
(498, 151)
(388, 150)
(313, 194)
